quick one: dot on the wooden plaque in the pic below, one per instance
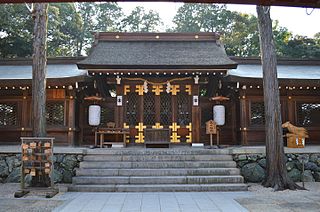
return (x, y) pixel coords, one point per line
(211, 127)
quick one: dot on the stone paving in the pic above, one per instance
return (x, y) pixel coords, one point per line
(153, 202)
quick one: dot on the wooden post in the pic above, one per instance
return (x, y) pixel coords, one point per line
(71, 118)
(277, 176)
(39, 64)
(243, 118)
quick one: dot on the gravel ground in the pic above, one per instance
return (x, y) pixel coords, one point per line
(32, 202)
(266, 199)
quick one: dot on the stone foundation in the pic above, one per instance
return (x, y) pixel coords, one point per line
(64, 167)
(253, 166)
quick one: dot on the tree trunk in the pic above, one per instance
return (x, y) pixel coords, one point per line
(277, 176)
(39, 69)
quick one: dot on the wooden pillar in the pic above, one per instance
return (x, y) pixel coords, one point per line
(82, 117)
(243, 117)
(291, 108)
(196, 116)
(234, 121)
(71, 118)
(24, 114)
(119, 119)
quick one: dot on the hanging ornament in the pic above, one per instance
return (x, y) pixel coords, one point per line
(118, 79)
(196, 79)
(145, 87)
(168, 89)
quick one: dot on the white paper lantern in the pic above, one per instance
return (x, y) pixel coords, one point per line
(94, 115)
(219, 114)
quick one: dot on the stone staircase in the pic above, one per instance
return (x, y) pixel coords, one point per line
(157, 170)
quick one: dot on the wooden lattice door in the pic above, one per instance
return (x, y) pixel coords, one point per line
(158, 107)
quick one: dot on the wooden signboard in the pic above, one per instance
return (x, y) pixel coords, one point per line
(211, 127)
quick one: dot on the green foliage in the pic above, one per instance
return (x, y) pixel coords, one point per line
(15, 31)
(70, 28)
(203, 17)
(141, 21)
(302, 47)
(108, 16)
(64, 27)
(240, 31)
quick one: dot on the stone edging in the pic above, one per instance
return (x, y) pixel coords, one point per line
(253, 166)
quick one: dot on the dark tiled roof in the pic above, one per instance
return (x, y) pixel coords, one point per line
(157, 54)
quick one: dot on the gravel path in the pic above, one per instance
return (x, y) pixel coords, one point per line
(32, 202)
(265, 199)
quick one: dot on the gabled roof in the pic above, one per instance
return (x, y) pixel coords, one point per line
(157, 51)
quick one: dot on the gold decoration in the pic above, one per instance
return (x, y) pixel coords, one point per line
(189, 127)
(175, 89)
(140, 127)
(175, 138)
(140, 90)
(189, 138)
(126, 89)
(188, 89)
(139, 138)
(174, 127)
(157, 89)
(125, 126)
(157, 126)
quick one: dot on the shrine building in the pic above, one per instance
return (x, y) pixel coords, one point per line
(158, 87)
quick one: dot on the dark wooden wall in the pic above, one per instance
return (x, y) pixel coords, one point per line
(254, 134)
(64, 130)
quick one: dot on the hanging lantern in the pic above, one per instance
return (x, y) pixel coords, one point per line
(94, 115)
(219, 114)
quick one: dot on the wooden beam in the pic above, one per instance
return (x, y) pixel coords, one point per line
(287, 3)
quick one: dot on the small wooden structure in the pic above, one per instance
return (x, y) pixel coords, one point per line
(37, 161)
(101, 133)
(211, 128)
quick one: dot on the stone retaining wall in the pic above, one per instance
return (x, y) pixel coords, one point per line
(253, 167)
(64, 167)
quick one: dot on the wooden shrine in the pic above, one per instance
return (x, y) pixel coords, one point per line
(157, 87)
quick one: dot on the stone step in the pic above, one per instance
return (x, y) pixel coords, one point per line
(156, 179)
(159, 188)
(158, 165)
(157, 172)
(157, 151)
(139, 158)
